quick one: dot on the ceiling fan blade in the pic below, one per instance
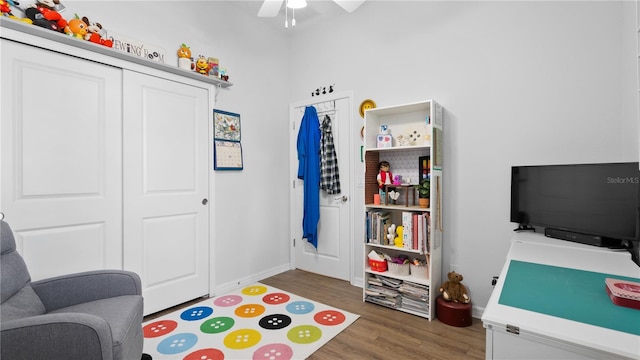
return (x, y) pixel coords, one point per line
(349, 5)
(270, 8)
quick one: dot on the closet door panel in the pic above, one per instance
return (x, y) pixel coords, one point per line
(166, 157)
(61, 180)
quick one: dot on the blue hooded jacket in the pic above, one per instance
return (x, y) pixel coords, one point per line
(309, 172)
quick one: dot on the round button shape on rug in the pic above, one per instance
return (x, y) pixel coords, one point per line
(273, 351)
(159, 328)
(304, 334)
(242, 339)
(329, 317)
(300, 307)
(227, 301)
(275, 322)
(196, 313)
(249, 310)
(217, 325)
(205, 354)
(254, 290)
(177, 343)
(276, 298)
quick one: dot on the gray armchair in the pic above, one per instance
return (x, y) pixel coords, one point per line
(85, 316)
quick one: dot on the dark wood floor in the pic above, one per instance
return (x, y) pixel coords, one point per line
(380, 333)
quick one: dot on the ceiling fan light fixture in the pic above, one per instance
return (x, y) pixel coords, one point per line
(296, 4)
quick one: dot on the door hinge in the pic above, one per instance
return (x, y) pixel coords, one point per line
(293, 125)
(294, 184)
(513, 329)
(294, 242)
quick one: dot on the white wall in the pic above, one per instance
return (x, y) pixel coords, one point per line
(522, 83)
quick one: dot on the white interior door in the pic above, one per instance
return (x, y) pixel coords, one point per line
(333, 255)
(61, 170)
(166, 216)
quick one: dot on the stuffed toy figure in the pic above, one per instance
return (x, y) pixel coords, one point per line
(453, 290)
(43, 14)
(96, 34)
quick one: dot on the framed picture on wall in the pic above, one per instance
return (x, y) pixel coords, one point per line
(226, 125)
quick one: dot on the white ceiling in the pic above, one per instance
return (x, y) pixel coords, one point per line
(313, 14)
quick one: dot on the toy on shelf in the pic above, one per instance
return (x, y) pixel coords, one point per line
(96, 34)
(7, 7)
(78, 28)
(391, 233)
(213, 66)
(202, 65)
(384, 140)
(385, 177)
(223, 74)
(185, 61)
(397, 241)
(394, 195)
(43, 14)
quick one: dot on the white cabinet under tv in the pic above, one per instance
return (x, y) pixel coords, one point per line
(528, 328)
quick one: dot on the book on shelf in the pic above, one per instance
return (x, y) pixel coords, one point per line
(407, 229)
(378, 223)
(416, 234)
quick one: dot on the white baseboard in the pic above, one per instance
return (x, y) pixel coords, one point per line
(242, 282)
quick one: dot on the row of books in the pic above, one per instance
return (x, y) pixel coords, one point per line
(397, 294)
(415, 235)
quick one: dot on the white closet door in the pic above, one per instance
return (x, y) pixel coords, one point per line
(166, 224)
(60, 134)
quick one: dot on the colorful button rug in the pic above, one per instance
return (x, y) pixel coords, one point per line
(256, 322)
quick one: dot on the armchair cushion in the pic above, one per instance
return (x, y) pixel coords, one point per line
(57, 336)
(22, 304)
(123, 314)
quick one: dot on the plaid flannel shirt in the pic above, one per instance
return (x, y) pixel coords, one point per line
(329, 177)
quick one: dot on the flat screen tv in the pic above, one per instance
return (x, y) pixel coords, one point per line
(595, 204)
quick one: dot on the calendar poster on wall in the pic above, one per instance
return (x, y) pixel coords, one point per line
(226, 136)
(227, 155)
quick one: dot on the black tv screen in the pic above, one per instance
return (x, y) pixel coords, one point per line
(592, 199)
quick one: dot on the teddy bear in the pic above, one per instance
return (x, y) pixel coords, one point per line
(453, 290)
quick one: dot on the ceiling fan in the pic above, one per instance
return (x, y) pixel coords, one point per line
(271, 8)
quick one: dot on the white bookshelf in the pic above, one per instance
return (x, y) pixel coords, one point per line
(425, 119)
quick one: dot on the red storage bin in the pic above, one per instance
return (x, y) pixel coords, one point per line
(379, 266)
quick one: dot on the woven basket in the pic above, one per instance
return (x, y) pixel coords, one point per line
(420, 271)
(398, 269)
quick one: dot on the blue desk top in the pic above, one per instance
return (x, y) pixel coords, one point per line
(571, 294)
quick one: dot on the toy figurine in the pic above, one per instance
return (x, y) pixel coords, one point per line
(184, 57)
(43, 14)
(96, 34)
(78, 28)
(5, 7)
(385, 177)
(202, 66)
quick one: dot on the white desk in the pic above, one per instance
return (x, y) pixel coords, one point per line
(542, 336)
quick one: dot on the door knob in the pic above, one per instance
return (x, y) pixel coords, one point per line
(344, 198)
(204, 201)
